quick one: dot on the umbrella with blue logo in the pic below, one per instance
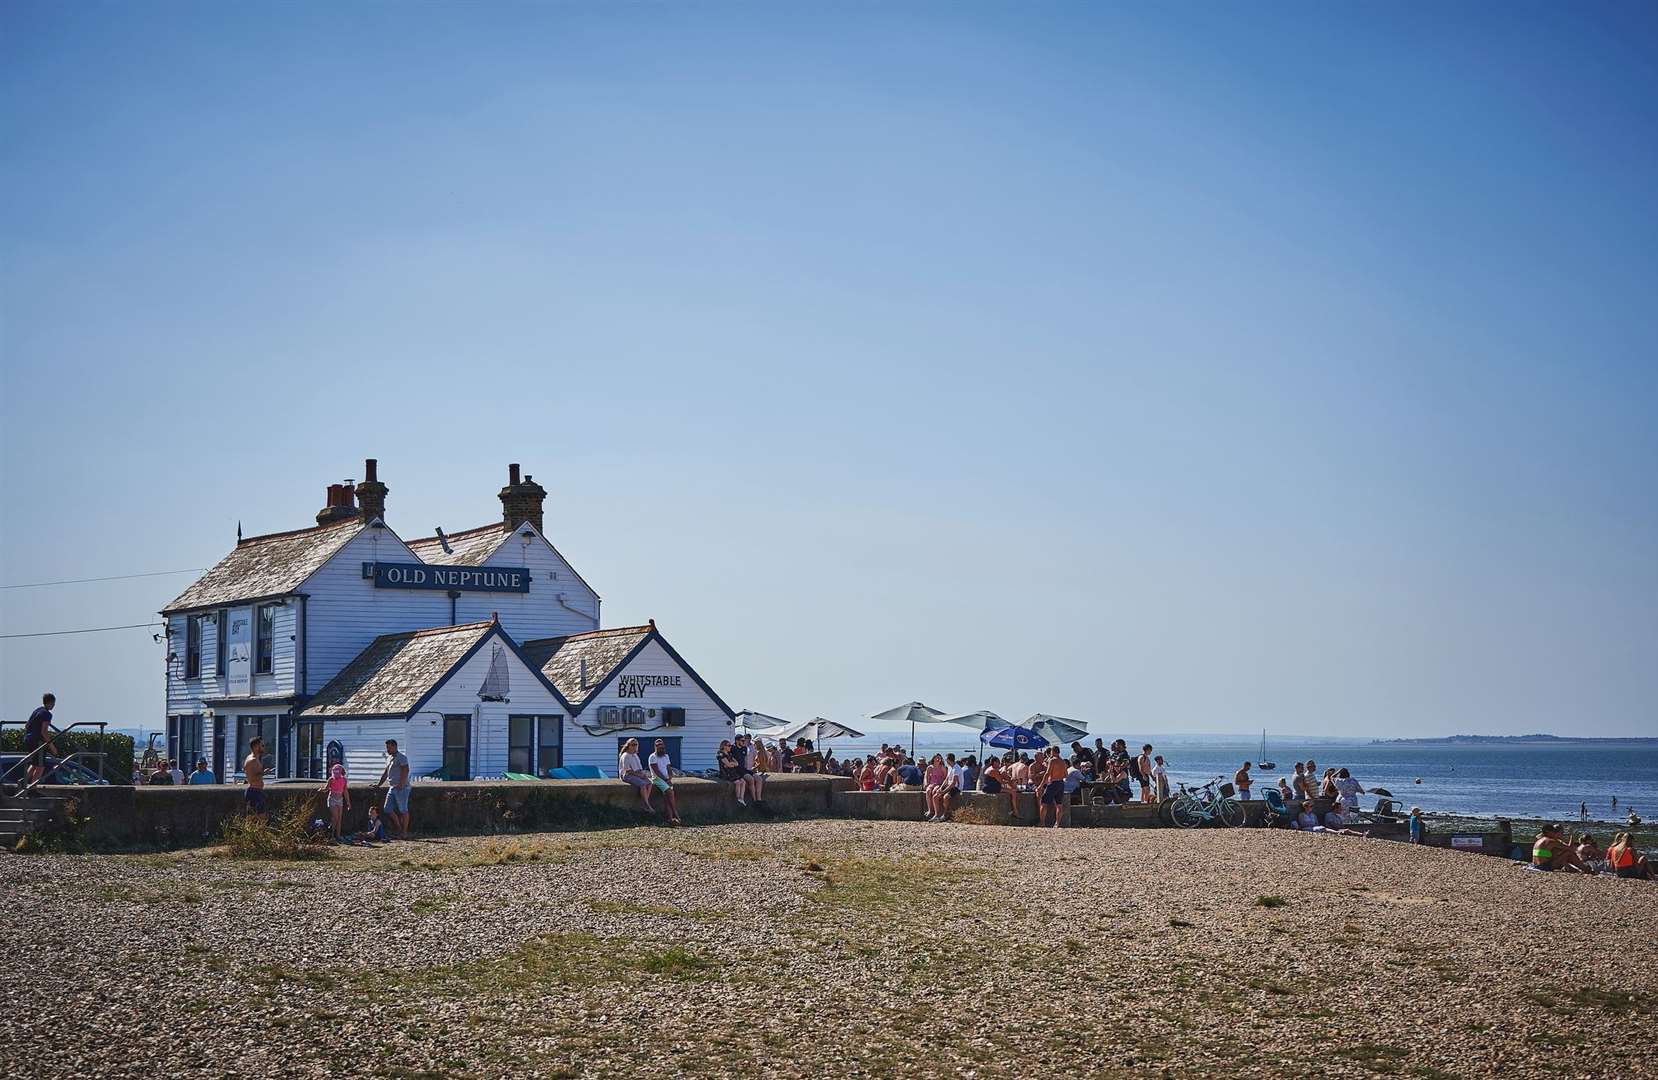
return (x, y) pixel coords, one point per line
(1012, 737)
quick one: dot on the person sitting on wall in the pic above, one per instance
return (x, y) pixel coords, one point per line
(1306, 821)
(731, 772)
(628, 768)
(909, 776)
(749, 759)
(662, 769)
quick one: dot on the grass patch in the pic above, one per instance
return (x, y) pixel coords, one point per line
(675, 962)
(285, 836)
(629, 907)
(1270, 901)
(1378, 1057)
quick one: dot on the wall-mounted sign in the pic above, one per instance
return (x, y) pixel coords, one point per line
(388, 575)
(1468, 843)
(636, 685)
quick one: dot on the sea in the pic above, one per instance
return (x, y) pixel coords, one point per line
(1523, 780)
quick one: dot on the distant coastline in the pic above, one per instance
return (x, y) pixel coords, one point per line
(1487, 740)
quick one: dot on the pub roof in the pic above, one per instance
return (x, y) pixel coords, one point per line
(560, 659)
(468, 548)
(397, 672)
(271, 565)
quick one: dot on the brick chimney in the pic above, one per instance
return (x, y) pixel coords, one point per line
(371, 493)
(341, 504)
(521, 501)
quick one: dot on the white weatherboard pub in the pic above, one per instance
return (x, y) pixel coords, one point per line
(479, 651)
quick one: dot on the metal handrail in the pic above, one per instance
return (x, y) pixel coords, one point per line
(102, 755)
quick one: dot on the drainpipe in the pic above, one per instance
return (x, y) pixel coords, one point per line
(454, 595)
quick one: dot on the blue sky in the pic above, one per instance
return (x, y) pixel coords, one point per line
(1193, 367)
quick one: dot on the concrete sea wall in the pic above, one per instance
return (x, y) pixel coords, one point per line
(164, 816)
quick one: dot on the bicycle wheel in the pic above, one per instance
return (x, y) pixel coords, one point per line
(1187, 814)
(1228, 812)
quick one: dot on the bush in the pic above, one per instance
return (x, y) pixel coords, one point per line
(286, 835)
(117, 766)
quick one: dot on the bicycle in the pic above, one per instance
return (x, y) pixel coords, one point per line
(1192, 807)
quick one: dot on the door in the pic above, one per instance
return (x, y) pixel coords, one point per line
(550, 753)
(457, 747)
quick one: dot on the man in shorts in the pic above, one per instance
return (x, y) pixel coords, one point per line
(1052, 796)
(253, 799)
(37, 733)
(396, 776)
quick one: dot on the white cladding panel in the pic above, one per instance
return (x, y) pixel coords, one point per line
(345, 612)
(364, 742)
(705, 722)
(537, 613)
(185, 695)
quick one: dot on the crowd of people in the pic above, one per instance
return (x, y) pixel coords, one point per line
(1554, 851)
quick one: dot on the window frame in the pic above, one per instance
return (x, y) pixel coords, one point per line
(221, 657)
(464, 747)
(264, 639)
(192, 646)
(545, 749)
(527, 747)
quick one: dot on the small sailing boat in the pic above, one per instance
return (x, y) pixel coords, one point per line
(1262, 762)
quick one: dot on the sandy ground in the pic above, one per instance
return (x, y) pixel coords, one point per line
(835, 948)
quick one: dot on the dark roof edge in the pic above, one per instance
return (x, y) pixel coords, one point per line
(241, 602)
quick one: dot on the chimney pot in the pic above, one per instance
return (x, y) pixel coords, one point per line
(512, 473)
(522, 501)
(370, 495)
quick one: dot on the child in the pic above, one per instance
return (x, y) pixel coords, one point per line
(1416, 824)
(376, 831)
(339, 796)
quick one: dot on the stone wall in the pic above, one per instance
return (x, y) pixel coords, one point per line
(165, 816)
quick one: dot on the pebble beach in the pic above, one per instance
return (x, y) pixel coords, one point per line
(829, 947)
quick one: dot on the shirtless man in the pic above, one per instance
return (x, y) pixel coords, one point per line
(1243, 782)
(253, 799)
(1145, 774)
(1053, 770)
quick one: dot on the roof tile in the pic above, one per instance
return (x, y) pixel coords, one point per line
(391, 676)
(268, 565)
(560, 658)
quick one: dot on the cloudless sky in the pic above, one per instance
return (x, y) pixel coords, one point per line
(1182, 367)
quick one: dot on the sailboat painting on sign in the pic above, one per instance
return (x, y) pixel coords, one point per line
(1261, 762)
(497, 684)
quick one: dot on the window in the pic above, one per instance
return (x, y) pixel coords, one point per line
(192, 647)
(265, 728)
(309, 750)
(550, 754)
(222, 653)
(457, 747)
(264, 643)
(184, 740)
(521, 744)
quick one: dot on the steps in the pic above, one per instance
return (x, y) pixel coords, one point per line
(21, 816)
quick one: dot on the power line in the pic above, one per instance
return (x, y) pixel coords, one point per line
(112, 577)
(88, 630)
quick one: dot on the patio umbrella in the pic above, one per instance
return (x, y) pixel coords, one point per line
(759, 723)
(915, 713)
(816, 729)
(1012, 737)
(1056, 729)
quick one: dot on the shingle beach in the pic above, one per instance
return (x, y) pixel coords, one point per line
(830, 948)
